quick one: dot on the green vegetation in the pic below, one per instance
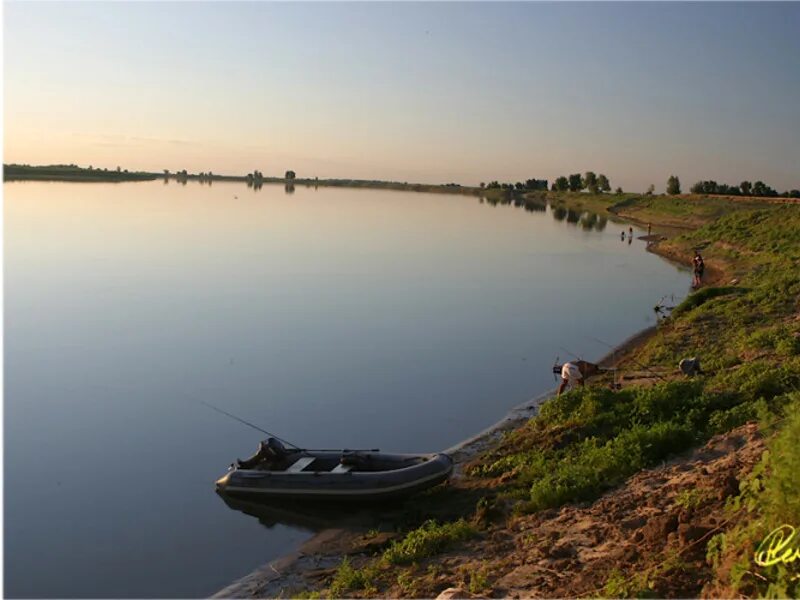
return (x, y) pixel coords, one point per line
(685, 211)
(348, 579)
(425, 541)
(690, 499)
(430, 538)
(746, 188)
(673, 185)
(591, 439)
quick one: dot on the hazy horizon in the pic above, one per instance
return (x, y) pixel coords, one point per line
(423, 92)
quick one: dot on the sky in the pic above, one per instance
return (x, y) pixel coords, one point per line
(424, 92)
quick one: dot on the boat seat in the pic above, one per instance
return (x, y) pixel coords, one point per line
(301, 464)
(340, 468)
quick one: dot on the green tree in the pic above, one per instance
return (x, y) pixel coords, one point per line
(603, 183)
(746, 187)
(590, 182)
(673, 185)
(575, 182)
(651, 189)
(289, 175)
(561, 184)
(618, 190)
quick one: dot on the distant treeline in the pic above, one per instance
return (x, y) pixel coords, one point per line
(588, 181)
(72, 173)
(527, 185)
(746, 188)
(572, 183)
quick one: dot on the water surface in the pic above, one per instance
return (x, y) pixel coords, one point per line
(333, 317)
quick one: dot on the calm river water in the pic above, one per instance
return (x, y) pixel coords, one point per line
(333, 317)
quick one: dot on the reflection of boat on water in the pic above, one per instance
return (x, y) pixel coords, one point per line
(288, 513)
(278, 473)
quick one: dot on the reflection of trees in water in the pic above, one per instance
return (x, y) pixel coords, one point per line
(593, 222)
(535, 205)
(588, 221)
(289, 188)
(255, 184)
(530, 204)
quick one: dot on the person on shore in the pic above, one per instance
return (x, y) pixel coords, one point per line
(630, 232)
(698, 267)
(574, 373)
(649, 229)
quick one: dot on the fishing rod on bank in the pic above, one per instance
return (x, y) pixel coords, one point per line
(287, 442)
(633, 360)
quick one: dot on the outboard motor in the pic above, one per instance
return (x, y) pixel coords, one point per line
(269, 451)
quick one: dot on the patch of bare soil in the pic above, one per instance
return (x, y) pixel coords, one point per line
(648, 536)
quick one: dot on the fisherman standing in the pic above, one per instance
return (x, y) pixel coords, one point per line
(699, 267)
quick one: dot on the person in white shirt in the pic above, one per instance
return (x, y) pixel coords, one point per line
(574, 373)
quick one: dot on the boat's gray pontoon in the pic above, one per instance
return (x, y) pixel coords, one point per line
(275, 472)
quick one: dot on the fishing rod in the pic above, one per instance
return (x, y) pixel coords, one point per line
(288, 443)
(256, 427)
(633, 360)
(572, 354)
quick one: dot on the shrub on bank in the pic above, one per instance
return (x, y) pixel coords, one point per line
(431, 538)
(593, 467)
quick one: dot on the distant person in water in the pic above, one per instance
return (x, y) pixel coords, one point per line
(630, 232)
(698, 267)
(622, 236)
(574, 373)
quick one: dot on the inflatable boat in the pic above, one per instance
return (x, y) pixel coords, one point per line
(276, 472)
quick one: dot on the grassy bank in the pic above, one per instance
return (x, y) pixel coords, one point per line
(745, 328)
